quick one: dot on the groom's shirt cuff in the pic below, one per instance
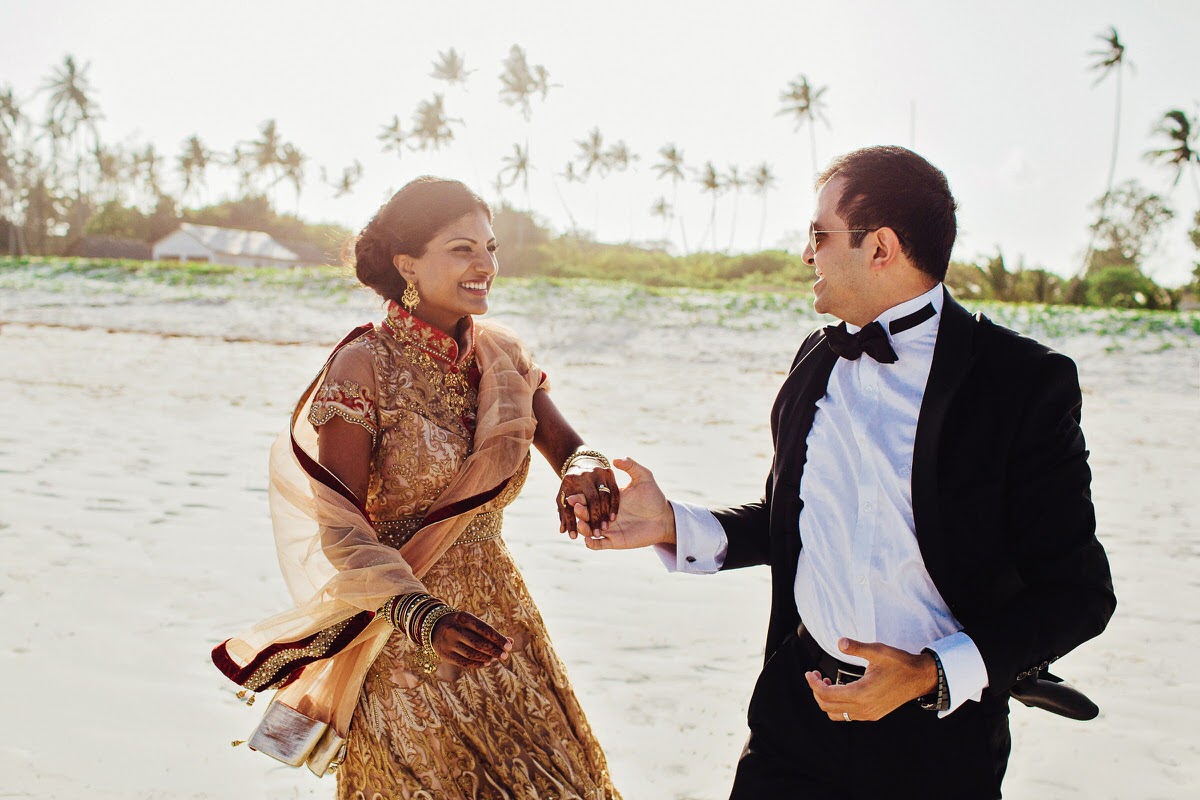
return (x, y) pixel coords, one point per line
(700, 541)
(966, 674)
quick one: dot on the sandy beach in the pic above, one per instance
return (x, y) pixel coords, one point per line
(134, 532)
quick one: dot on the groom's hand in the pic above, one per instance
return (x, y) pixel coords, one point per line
(645, 516)
(893, 677)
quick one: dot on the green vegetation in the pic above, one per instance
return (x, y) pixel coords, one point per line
(26, 271)
(786, 309)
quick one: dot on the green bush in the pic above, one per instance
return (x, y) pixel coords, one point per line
(1125, 287)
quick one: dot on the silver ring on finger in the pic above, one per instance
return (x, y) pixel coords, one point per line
(846, 716)
(603, 488)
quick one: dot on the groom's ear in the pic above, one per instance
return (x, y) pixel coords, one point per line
(887, 249)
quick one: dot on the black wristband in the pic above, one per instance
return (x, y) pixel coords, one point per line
(938, 700)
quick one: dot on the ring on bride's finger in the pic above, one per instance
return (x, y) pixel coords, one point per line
(603, 488)
(846, 716)
(562, 499)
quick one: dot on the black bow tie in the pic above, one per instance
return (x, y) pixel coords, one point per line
(872, 339)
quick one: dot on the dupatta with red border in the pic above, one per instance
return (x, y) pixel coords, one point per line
(336, 569)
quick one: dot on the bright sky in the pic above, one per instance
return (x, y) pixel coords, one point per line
(1004, 102)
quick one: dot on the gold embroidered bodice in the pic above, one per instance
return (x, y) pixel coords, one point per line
(416, 391)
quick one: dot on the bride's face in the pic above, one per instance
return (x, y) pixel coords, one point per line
(454, 276)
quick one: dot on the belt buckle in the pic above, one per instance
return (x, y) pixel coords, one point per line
(846, 676)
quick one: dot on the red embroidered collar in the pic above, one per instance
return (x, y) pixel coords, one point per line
(429, 339)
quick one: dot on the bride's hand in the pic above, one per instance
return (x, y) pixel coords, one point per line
(645, 517)
(596, 486)
(466, 641)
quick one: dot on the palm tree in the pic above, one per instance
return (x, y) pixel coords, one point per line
(735, 181)
(266, 150)
(71, 108)
(1109, 60)
(592, 155)
(516, 167)
(803, 101)
(113, 168)
(619, 158)
(541, 81)
(193, 162)
(1181, 132)
(147, 165)
(519, 81)
(516, 81)
(393, 137)
(763, 180)
(10, 116)
(593, 158)
(70, 103)
(671, 166)
(44, 207)
(711, 183)
(431, 126)
(291, 164)
(450, 68)
(242, 160)
(345, 184)
(662, 209)
(570, 175)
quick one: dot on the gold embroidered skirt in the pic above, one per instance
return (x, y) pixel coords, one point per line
(512, 731)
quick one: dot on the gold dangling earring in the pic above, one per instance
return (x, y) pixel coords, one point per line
(410, 299)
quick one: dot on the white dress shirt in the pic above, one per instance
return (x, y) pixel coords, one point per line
(860, 574)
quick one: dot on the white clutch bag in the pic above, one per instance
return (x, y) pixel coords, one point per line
(294, 738)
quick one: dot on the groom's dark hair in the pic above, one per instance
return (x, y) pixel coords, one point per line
(893, 187)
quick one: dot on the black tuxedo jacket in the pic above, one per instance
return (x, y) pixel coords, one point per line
(1000, 490)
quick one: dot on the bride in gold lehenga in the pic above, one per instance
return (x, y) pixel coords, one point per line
(415, 637)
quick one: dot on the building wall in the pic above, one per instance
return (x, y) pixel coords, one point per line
(252, 261)
(180, 246)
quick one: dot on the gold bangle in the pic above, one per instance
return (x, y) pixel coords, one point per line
(427, 657)
(400, 607)
(414, 611)
(387, 611)
(581, 452)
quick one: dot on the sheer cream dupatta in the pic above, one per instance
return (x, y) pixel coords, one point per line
(338, 572)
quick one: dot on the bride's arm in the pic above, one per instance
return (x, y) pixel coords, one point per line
(557, 441)
(344, 449)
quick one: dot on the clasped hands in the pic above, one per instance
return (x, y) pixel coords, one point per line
(893, 676)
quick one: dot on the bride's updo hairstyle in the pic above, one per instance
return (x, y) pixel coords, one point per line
(405, 225)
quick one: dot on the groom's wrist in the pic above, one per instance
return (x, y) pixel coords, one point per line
(670, 537)
(699, 543)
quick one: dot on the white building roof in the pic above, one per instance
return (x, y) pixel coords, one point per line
(250, 244)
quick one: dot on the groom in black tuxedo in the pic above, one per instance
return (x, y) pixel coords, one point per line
(927, 518)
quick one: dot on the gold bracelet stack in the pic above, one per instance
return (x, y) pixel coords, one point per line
(415, 615)
(428, 658)
(579, 453)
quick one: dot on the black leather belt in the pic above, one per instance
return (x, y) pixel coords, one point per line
(837, 671)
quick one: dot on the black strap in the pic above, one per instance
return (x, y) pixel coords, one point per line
(912, 320)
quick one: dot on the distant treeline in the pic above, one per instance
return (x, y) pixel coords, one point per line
(530, 249)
